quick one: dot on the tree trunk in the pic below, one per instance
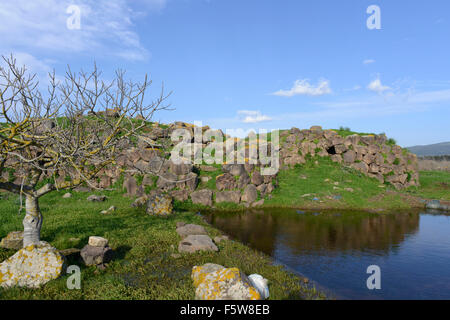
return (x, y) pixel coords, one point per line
(32, 222)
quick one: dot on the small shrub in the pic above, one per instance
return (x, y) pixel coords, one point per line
(391, 142)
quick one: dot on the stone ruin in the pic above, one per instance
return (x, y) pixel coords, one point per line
(371, 155)
(144, 166)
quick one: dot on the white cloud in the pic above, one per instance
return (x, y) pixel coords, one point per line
(107, 27)
(404, 102)
(251, 116)
(376, 86)
(368, 61)
(303, 87)
(354, 88)
(32, 64)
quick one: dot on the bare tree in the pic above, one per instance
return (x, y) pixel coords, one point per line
(77, 128)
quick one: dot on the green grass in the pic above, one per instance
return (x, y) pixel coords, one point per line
(433, 185)
(320, 183)
(143, 267)
(344, 132)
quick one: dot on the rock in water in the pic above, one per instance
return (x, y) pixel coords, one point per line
(159, 205)
(214, 282)
(14, 240)
(31, 267)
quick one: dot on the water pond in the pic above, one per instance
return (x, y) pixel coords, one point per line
(334, 249)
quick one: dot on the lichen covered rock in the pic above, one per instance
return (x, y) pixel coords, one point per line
(159, 205)
(214, 282)
(31, 267)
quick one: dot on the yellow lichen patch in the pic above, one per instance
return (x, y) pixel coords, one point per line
(31, 267)
(214, 282)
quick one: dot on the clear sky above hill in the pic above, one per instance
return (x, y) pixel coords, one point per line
(257, 64)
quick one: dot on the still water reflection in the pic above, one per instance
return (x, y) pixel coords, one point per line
(334, 249)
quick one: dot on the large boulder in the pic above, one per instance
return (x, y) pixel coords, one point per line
(349, 156)
(167, 181)
(180, 168)
(360, 166)
(228, 196)
(336, 158)
(257, 178)
(200, 272)
(340, 148)
(243, 180)
(189, 181)
(226, 181)
(214, 282)
(193, 243)
(369, 139)
(159, 204)
(294, 159)
(131, 186)
(180, 195)
(203, 197)
(14, 240)
(96, 256)
(234, 169)
(250, 193)
(31, 267)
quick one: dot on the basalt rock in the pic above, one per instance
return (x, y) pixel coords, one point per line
(203, 197)
(228, 196)
(226, 181)
(193, 243)
(159, 204)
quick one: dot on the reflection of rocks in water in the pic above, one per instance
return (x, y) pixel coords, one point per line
(303, 233)
(355, 233)
(254, 227)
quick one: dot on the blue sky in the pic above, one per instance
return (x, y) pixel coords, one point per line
(258, 64)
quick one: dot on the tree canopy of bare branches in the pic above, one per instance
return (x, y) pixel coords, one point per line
(77, 126)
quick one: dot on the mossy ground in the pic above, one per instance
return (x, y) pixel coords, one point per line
(143, 267)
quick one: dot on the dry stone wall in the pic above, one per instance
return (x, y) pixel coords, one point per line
(370, 154)
(143, 165)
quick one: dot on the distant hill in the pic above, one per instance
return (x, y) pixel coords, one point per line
(438, 149)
